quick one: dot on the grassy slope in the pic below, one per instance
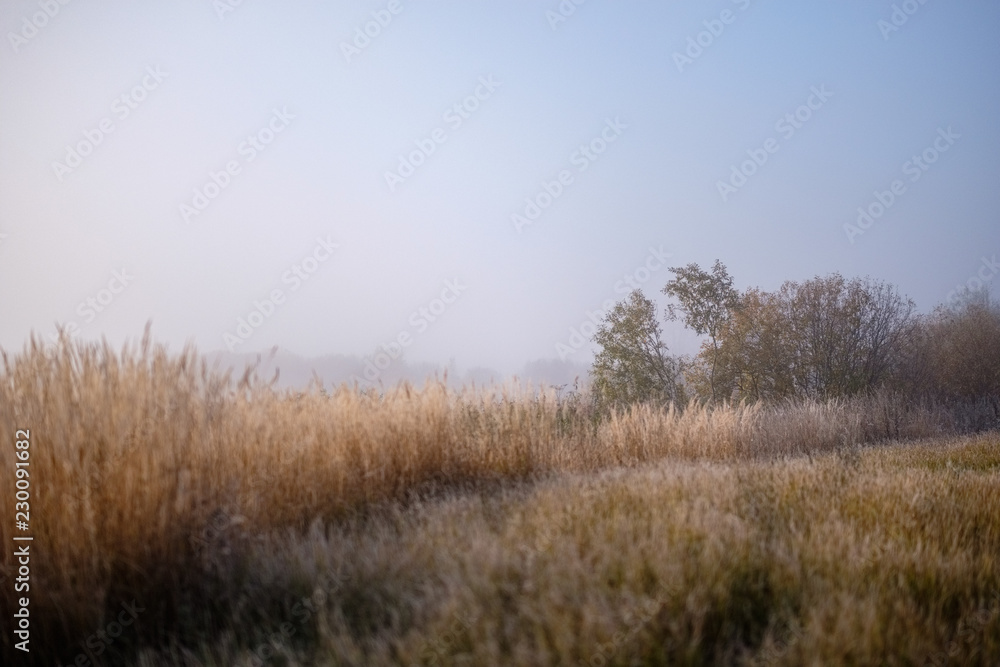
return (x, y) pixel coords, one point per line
(696, 538)
(884, 556)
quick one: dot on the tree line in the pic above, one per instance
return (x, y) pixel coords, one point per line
(826, 337)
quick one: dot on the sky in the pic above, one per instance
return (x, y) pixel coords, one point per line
(477, 182)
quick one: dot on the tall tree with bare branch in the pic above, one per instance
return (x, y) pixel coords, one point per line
(706, 302)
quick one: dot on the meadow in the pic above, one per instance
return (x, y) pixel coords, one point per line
(240, 525)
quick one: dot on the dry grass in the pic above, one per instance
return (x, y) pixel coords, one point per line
(469, 528)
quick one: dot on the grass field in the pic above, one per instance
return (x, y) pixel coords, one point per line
(241, 526)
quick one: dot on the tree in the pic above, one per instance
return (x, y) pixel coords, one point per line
(633, 365)
(824, 337)
(955, 354)
(754, 358)
(707, 301)
(845, 334)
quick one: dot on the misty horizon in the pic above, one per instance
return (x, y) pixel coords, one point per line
(472, 188)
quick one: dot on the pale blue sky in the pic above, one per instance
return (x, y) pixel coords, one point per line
(345, 124)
